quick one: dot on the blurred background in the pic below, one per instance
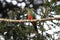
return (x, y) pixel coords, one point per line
(16, 9)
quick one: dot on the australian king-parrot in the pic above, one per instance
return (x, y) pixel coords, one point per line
(31, 16)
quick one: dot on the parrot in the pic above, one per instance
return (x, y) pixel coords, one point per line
(31, 16)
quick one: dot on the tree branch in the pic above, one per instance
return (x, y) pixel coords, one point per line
(25, 20)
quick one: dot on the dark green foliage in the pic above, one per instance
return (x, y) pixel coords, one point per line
(20, 32)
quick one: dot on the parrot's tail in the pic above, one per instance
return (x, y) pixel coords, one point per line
(35, 27)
